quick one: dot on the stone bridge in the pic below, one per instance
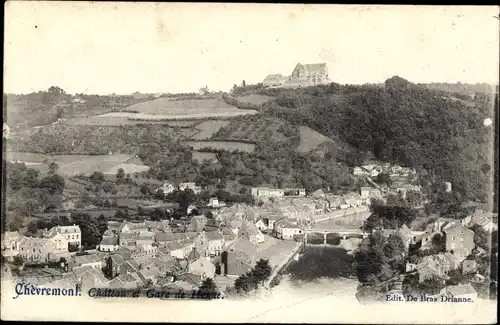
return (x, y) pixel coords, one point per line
(339, 233)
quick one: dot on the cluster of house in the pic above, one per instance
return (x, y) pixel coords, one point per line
(54, 244)
(267, 192)
(304, 75)
(252, 222)
(168, 188)
(374, 169)
(458, 247)
(132, 254)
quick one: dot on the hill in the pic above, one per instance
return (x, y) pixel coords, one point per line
(401, 123)
(301, 137)
(45, 107)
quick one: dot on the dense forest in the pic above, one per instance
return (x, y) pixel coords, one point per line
(401, 123)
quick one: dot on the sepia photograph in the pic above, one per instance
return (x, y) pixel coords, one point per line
(249, 163)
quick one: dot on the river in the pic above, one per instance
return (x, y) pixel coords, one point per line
(321, 287)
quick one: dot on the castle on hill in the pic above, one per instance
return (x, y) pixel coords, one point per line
(304, 75)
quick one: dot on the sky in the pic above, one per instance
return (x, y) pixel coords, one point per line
(104, 47)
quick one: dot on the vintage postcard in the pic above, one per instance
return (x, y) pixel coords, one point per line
(249, 163)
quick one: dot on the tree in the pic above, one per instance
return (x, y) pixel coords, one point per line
(121, 215)
(395, 251)
(107, 269)
(97, 177)
(89, 227)
(18, 260)
(438, 243)
(32, 228)
(157, 215)
(184, 198)
(120, 175)
(389, 217)
(53, 167)
(60, 221)
(414, 198)
(54, 90)
(481, 237)
(432, 285)
(245, 283)
(159, 194)
(145, 189)
(53, 183)
(383, 178)
(16, 223)
(108, 187)
(371, 260)
(262, 270)
(102, 224)
(208, 288)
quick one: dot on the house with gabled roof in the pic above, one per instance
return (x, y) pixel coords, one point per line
(10, 240)
(239, 257)
(458, 236)
(190, 278)
(91, 260)
(251, 232)
(72, 234)
(180, 249)
(209, 243)
(483, 220)
(285, 229)
(34, 249)
(123, 282)
(108, 244)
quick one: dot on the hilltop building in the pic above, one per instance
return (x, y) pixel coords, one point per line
(304, 75)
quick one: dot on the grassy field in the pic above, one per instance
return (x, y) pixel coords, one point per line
(254, 99)
(175, 109)
(310, 139)
(117, 119)
(201, 156)
(26, 157)
(70, 165)
(221, 145)
(128, 168)
(207, 129)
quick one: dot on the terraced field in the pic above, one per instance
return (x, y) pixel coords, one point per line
(167, 108)
(201, 156)
(206, 129)
(221, 145)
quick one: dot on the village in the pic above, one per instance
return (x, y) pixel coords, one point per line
(222, 242)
